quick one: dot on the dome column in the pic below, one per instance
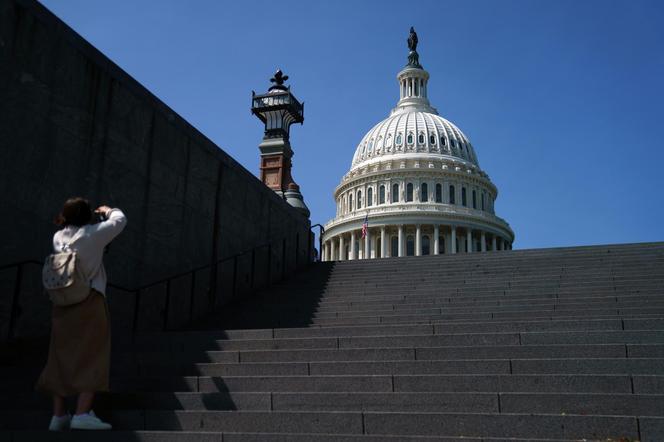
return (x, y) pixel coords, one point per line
(418, 240)
(342, 251)
(352, 245)
(483, 240)
(400, 240)
(383, 253)
(469, 241)
(493, 243)
(333, 250)
(436, 242)
(453, 240)
(367, 245)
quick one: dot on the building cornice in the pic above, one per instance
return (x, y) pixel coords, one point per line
(455, 173)
(419, 213)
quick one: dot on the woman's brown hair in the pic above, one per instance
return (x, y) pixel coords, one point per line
(75, 212)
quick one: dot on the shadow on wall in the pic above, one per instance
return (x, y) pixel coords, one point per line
(168, 304)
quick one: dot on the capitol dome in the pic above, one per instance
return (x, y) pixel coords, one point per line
(415, 186)
(414, 133)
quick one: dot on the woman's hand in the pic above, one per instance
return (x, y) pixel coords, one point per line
(103, 210)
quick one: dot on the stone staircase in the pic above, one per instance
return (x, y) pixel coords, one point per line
(550, 344)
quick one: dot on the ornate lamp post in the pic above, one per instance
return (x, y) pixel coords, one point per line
(278, 109)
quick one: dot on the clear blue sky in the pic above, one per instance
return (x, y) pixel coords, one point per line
(562, 100)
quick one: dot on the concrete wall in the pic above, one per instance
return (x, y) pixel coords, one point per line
(73, 123)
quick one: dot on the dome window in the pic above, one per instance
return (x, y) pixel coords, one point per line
(442, 141)
(399, 139)
(350, 202)
(381, 195)
(439, 193)
(420, 139)
(464, 201)
(474, 200)
(410, 245)
(452, 142)
(432, 140)
(452, 195)
(370, 145)
(359, 199)
(395, 193)
(369, 197)
(409, 140)
(409, 192)
(424, 192)
(426, 245)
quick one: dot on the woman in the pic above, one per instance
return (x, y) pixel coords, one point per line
(80, 347)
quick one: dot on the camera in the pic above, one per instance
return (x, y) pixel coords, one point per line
(98, 217)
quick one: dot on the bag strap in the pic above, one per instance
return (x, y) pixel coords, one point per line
(76, 236)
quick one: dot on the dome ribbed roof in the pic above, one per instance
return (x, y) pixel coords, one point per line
(413, 133)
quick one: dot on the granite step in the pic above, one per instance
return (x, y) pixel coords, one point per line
(471, 402)
(526, 383)
(568, 426)
(210, 436)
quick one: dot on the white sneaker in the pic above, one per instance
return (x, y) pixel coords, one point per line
(88, 421)
(60, 423)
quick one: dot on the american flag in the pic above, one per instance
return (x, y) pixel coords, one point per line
(365, 225)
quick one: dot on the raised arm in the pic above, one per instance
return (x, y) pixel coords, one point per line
(105, 231)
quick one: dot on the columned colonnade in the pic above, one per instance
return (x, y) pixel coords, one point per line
(411, 240)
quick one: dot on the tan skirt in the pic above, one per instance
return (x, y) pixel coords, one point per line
(79, 354)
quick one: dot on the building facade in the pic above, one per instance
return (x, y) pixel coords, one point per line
(416, 182)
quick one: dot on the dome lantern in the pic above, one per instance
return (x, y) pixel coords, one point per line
(413, 80)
